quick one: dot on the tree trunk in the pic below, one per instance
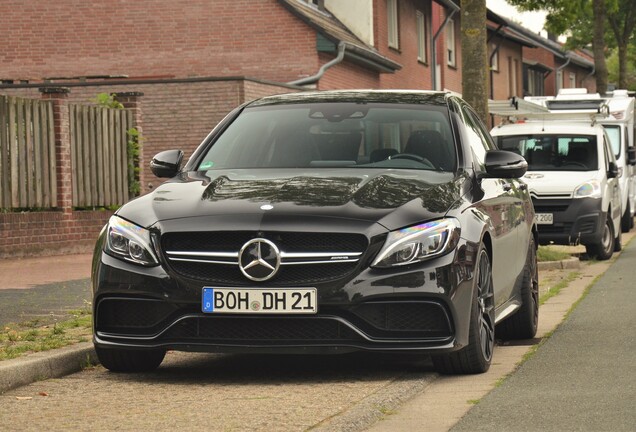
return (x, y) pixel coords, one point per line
(474, 56)
(598, 46)
(622, 65)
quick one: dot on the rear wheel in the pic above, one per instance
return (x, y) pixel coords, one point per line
(477, 355)
(125, 360)
(523, 324)
(605, 248)
(627, 221)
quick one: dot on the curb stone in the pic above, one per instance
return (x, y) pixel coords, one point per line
(570, 263)
(47, 364)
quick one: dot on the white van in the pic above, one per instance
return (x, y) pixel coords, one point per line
(619, 124)
(573, 181)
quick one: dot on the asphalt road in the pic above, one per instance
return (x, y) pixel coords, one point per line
(584, 377)
(45, 303)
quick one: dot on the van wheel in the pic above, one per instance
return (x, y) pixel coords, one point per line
(618, 242)
(605, 248)
(627, 221)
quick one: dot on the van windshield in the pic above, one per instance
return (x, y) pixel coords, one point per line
(554, 152)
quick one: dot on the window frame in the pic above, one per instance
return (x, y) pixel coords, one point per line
(393, 34)
(451, 44)
(422, 39)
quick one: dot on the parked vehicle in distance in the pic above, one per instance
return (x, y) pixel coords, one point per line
(325, 222)
(573, 181)
(619, 125)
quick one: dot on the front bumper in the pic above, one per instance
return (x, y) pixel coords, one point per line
(575, 221)
(422, 307)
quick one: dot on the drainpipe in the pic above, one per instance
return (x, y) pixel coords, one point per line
(434, 43)
(559, 69)
(314, 79)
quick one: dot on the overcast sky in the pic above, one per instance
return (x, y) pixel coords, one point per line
(530, 20)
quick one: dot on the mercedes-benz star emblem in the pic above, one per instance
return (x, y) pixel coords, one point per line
(259, 259)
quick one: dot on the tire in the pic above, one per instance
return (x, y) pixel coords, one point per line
(604, 249)
(523, 324)
(627, 221)
(618, 242)
(124, 360)
(477, 355)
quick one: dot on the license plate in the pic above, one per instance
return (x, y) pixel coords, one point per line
(259, 301)
(544, 218)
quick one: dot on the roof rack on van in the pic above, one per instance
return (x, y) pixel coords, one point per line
(548, 109)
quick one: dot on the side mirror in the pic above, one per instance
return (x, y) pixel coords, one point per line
(504, 164)
(612, 170)
(167, 163)
(631, 155)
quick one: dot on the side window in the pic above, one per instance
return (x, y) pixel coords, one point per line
(479, 140)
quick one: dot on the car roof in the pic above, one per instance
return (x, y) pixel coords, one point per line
(357, 96)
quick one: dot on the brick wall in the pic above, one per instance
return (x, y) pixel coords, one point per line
(49, 233)
(169, 38)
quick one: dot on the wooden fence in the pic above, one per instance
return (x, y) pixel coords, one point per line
(28, 176)
(99, 156)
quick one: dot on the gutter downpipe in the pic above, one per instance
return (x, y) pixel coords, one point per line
(559, 69)
(314, 78)
(434, 43)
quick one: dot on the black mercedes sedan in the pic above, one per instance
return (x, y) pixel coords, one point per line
(325, 222)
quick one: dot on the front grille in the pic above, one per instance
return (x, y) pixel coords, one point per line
(541, 206)
(223, 241)
(287, 242)
(132, 316)
(260, 330)
(293, 275)
(410, 316)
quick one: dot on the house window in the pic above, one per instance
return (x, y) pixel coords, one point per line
(450, 43)
(559, 80)
(494, 59)
(421, 36)
(572, 80)
(513, 67)
(392, 16)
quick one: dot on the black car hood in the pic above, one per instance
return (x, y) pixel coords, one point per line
(392, 198)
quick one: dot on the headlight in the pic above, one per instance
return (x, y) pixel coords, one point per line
(418, 243)
(129, 241)
(589, 189)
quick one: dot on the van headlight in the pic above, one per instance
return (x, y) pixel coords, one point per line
(130, 242)
(418, 243)
(589, 189)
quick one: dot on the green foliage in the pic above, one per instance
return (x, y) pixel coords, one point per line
(546, 253)
(134, 149)
(107, 100)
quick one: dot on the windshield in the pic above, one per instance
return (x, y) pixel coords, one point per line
(554, 152)
(614, 135)
(341, 134)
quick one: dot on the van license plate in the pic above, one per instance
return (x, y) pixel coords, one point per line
(259, 301)
(544, 218)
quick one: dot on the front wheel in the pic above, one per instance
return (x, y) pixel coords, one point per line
(523, 324)
(477, 355)
(125, 360)
(604, 249)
